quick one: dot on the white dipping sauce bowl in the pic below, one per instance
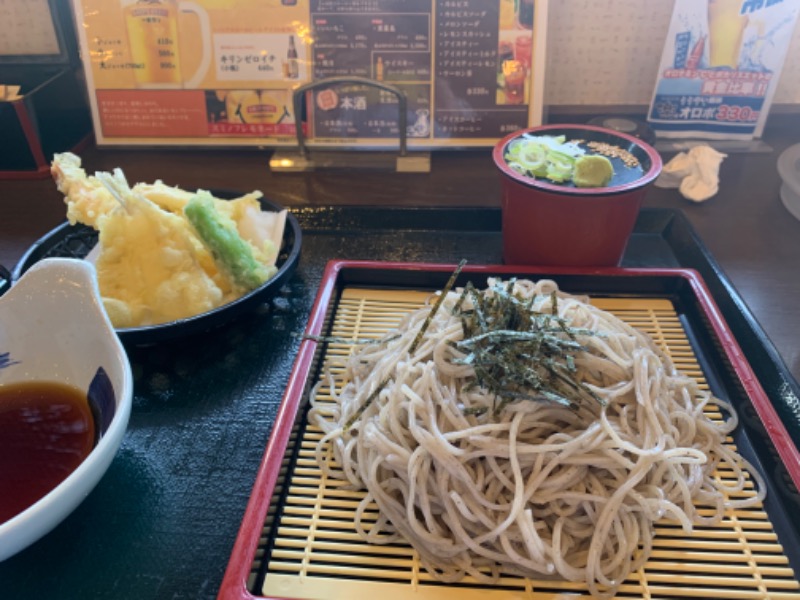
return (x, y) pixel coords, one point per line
(53, 328)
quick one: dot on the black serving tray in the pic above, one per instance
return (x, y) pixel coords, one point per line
(163, 521)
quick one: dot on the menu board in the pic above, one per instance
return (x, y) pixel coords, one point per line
(223, 72)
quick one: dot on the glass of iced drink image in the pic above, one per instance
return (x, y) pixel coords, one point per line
(514, 75)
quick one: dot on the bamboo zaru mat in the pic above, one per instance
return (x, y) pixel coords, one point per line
(313, 550)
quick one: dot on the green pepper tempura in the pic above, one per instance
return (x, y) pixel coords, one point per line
(232, 254)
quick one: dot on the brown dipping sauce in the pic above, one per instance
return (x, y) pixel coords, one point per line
(46, 430)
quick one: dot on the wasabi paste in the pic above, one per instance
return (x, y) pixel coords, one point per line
(592, 171)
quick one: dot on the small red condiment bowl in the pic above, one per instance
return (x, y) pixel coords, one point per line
(551, 224)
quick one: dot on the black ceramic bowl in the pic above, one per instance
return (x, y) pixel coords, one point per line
(75, 241)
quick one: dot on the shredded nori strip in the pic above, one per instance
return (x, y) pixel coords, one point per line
(413, 348)
(517, 353)
(332, 339)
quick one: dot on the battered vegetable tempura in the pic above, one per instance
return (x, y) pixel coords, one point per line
(218, 232)
(153, 265)
(149, 265)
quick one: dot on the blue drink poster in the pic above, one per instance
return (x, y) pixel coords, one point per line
(720, 67)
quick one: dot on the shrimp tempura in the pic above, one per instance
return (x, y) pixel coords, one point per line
(86, 198)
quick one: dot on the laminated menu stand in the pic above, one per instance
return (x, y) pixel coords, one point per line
(51, 113)
(305, 159)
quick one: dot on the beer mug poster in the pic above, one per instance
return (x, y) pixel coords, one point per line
(720, 67)
(223, 72)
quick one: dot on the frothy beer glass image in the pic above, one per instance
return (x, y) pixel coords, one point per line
(726, 26)
(154, 40)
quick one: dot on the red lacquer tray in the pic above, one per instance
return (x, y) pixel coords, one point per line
(256, 563)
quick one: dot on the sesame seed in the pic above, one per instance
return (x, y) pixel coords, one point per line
(611, 151)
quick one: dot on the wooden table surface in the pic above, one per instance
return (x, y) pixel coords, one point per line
(745, 226)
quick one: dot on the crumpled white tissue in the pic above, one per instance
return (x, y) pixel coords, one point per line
(694, 173)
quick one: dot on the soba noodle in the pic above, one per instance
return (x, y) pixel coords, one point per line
(537, 488)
